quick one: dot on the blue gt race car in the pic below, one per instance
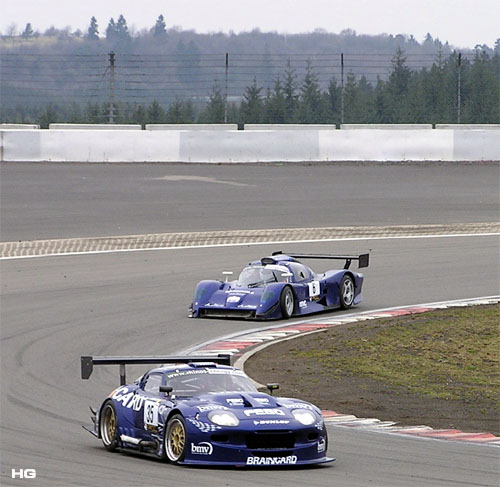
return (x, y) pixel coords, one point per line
(202, 411)
(280, 286)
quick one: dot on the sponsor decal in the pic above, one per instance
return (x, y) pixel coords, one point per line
(321, 445)
(290, 460)
(302, 304)
(264, 412)
(262, 400)
(261, 422)
(203, 448)
(203, 427)
(235, 401)
(184, 373)
(210, 407)
(299, 405)
(240, 292)
(233, 299)
(129, 400)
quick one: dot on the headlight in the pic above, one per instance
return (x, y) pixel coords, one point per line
(304, 416)
(223, 418)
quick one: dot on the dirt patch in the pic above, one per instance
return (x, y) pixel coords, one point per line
(440, 368)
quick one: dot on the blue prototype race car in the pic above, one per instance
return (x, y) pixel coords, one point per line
(280, 286)
(202, 411)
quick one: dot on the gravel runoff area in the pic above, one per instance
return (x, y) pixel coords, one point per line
(439, 368)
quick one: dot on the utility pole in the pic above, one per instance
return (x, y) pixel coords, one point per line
(342, 88)
(225, 88)
(111, 87)
(459, 88)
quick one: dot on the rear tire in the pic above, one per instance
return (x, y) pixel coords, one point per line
(287, 302)
(108, 426)
(346, 292)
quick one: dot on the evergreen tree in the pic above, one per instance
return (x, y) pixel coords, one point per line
(47, 116)
(382, 110)
(332, 102)
(93, 30)
(111, 32)
(275, 105)
(310, 106)
(155, 112)
(140, 115)
(92, 113)
(75, 114)
(28, 31)
(290, 92)
(214, 111)
(122, 29)
(180, 112)
(160, 29)
(482, 106)
(351, 101)
(397, 87)
(251, 108)
(436, 90)
(418, 107)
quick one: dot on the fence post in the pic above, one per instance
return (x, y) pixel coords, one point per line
(225, 88)
(111, 87)
(342, 88)
(459, 88)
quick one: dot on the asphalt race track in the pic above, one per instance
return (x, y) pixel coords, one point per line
(54, 309)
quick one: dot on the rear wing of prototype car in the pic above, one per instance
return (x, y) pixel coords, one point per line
(363, 259)
(88, 362)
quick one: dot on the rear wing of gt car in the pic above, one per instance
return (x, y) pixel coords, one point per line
(363, 259)
(88, 362)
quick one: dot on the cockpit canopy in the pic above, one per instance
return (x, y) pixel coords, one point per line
(259, 275)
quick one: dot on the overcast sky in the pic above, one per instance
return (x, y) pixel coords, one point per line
(463, 23)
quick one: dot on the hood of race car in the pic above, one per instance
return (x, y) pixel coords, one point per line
(256, 406)
(236, 298)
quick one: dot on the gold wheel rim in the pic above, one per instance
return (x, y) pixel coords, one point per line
(177, 439)
(111, 424)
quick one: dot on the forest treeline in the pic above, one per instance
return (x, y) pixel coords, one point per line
(162, 75)
(435, 95)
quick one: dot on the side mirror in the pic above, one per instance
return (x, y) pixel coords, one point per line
(227, 274)
(288, 275)
(166, 389)
(272, 387)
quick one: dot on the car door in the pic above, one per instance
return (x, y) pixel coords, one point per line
(149, 400)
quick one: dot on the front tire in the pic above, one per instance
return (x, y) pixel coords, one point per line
(287, 302)
(108, 426)
(175, 439)
(346, 292)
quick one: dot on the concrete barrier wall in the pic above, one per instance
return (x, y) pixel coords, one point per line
(192, 126)
(386, 126)
(287, 126)
(95, 126)
(250, 146)
(18, 126)
(463, 126)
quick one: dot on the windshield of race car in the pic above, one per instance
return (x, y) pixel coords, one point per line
(254, 276)
(188, 383)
